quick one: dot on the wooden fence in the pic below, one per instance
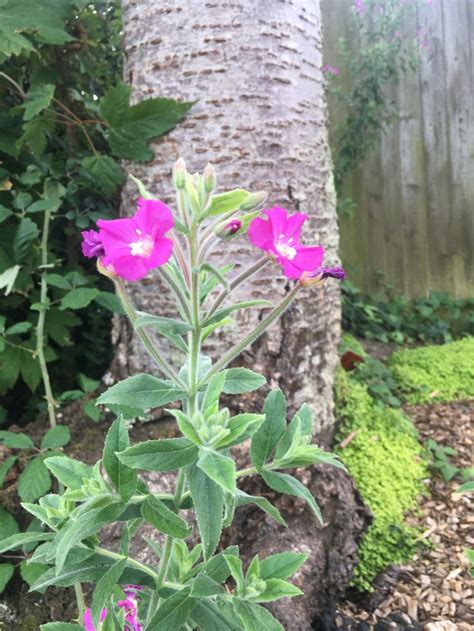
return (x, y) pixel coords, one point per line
(414, 220)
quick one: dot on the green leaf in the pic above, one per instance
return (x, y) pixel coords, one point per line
(256, 618)
(8, 525)
(22, 538)
(203, 586)
(56, 437)
(15, 440)
(240, 380)
(172, 612)
(35, 135)
(225, 202)
(37, 99)
(18, 328)
(236, 569)
(31, 572)
(79, 298)
(271, 430)
(218, 468)
(167, 325)
(8, 278)
(306, 418)
(69, 472)
(123, 478)
(261, 502)
(5, 468)
(56, 280)
(207, 615)
(4, 212)
(276, 589)
(161, 517)
(284, 483)
(221, 314)
(114, 105)
(208, 500)
(160, 455)
(213, 391)
(241, 427)
(26, 233)
(467, 487)
(61, 626)
(109, 301)
(143, 392)
(185, 426)
(6, 572)
(102, 173)
(281, 565)
(34, 481)
(105, 588)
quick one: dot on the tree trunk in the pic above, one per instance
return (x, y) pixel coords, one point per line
(254, 68)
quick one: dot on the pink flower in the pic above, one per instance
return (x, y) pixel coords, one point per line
(130, 605)
(88, 619)
(359, 7)
(91, 244)
(135, 245)
(334, 70)
(279, 235)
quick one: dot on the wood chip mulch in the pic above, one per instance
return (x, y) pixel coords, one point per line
(435, 591)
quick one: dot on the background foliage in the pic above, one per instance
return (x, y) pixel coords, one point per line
(65, 123)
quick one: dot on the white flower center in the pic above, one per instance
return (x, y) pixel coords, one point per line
(285, 249)
(143, 247)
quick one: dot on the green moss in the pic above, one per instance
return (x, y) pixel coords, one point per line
(385, 459)
(435, 373)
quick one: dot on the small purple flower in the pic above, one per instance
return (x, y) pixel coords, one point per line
(359, 7)
(233, 226)
(92, 244)
(334, 70)
(130, 606)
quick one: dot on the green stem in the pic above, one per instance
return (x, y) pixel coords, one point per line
(176, 289)
(141, 566)
(41, 321)
(248, 471)
(238, 280)
(132, 314)
(251, 337)
(81, 603)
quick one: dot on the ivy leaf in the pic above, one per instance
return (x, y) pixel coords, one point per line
(34, 481)
(103, 174)
(37, 99)
(26, 233)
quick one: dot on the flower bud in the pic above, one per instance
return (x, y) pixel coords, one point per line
(192, 194)
(179, 174)
(229, 229)
(106, 270)
(253, 200)
(311, 279)
(210, 180)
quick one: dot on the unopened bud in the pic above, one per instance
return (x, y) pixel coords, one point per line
(229, 229)
(193, 195)
(253, 200)
(210, 180)
(179, 174)
(309, 279)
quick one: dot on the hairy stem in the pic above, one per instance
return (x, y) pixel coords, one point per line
(251, 337)
(132, 314)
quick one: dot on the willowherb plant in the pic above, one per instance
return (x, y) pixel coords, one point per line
(192, 587)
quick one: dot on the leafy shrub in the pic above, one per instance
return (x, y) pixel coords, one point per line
(385, 459)
(435, 373)
(438, 318)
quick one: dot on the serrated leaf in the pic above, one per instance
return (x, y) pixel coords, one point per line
(281, 565)
(37, 99)
(35, 134)
(35, 481)
(284, 483)
(105, 588)
(172, 612)
(102, 173)
(123, 478)
(56, 437)
(160, 455)
(256, 618)
(142, 391)
(109, 301)
(161, 517)
(218, 468)
(18, 328)
(271, 430)
(79, 298)
(204, 586)
(114, 105)
(208, 500)
(69, 472)
(15, 440)
(240, 380)
(26, 233)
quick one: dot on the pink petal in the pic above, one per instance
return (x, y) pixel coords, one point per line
(309, 258)
(278, 219)
(117, 231)
(161, 253)
(131, 268)
(294, 224)
(290, 270)
(260, 233)
(153, 217)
